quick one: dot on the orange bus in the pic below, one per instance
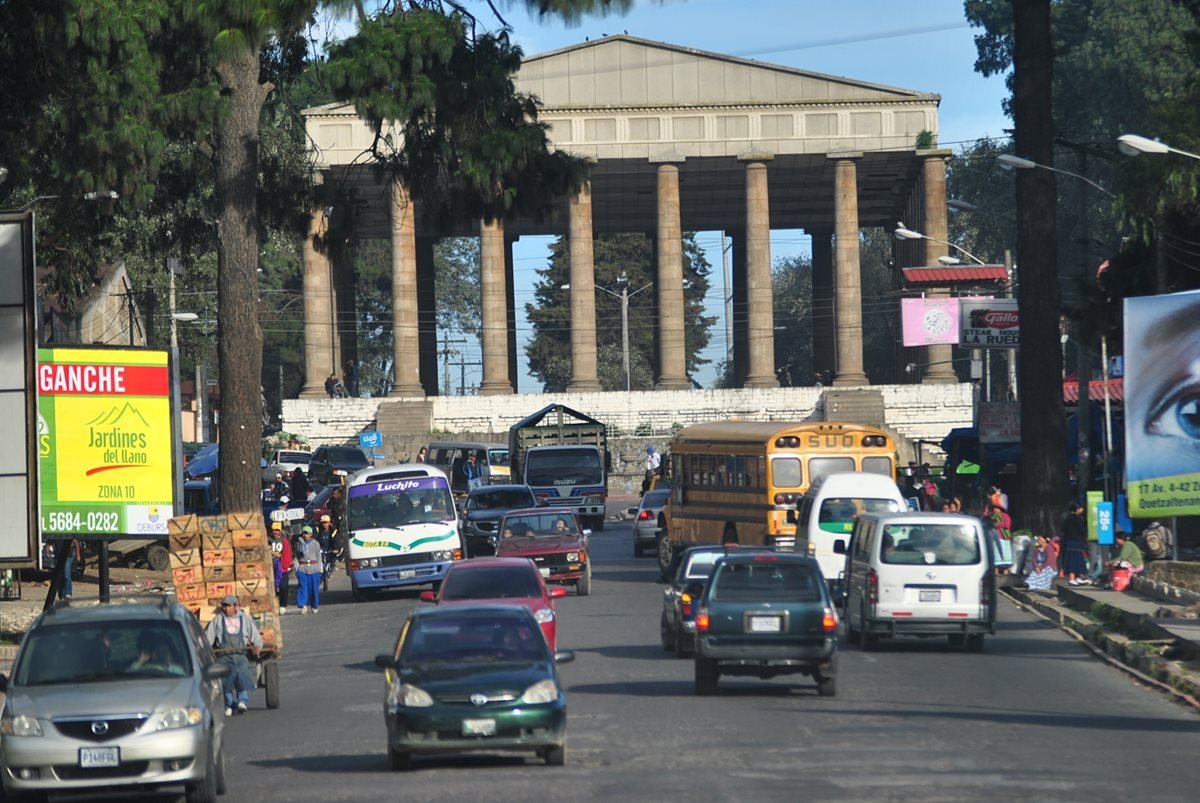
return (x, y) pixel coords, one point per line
(742, 481)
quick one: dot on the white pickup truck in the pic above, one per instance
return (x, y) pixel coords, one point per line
(285, 461)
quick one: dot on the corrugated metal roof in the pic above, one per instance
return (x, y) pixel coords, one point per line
(957, 273)
(1116, 390)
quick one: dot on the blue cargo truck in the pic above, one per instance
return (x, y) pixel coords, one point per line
(563, 455)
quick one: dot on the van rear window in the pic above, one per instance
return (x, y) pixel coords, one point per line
(837, 515)
(930, 544)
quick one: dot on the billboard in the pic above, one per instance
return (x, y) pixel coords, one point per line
(928, 321)
(993, 323)
(105, 436)
(18, 398)
(1162, 405)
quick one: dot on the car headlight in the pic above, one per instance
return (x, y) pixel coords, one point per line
(443, 555)
(544, 691)
(544, 615)
(372, 562)
(406, 695)
(180, 718)
(591, 500)
(20, 726)
(572, 557)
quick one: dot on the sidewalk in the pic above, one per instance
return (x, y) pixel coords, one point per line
(1157, 641)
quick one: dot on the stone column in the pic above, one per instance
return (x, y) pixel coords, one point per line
(406, 361)
(738, 293)
(823, 318)
(318, 308)
(510, 310)
(672, 356)
(847, 274)
(939, 368)
(584, 377)
(494, 335)
(761, 318)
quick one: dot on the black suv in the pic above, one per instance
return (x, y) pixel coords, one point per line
(764, 615)
(332, 464)
(484, 508)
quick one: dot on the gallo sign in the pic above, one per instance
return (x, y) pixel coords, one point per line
(104, 441)
(990, 324)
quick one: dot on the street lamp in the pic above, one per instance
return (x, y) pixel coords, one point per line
(904, 233)
(1010, 162)
(1133, 144)
(624, 295)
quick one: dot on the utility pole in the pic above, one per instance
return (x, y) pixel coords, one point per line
(625, 329)
(446, 353)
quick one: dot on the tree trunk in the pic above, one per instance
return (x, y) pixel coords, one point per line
(239, 339)
(1043, 428)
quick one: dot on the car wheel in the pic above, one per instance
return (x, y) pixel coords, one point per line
(957, 639)
(357, 594)
(667, 556)
(826, 685)
(706, 676)
(852, 636)
(637, 546)
(204, 791)
(158, 558)
(681, 646)
(555, 756)
(271, 682)
(666, 633)
(975, 642)
(399, 760)
(584, 586)
(870, 641)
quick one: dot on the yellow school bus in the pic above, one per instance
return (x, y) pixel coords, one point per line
(742, 481)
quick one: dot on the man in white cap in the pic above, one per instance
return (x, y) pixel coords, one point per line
(308, 572)
(653, 461)
(233, 633)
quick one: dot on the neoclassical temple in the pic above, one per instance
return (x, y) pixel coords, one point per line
(681, 140)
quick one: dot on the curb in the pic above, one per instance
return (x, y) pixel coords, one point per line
(1136, 658)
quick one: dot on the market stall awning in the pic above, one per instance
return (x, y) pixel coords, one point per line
(956, 274)
(1116, 390)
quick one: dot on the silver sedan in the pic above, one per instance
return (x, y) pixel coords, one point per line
(649, 520)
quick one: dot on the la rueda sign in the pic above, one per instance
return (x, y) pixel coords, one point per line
(105, 441)
(993, 323)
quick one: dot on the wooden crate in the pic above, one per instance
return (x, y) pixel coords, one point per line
(182, 542)
(212, 524)
(217, 557)
(249, 554)
(219, 590)
(268, 620)
(182, 524)
(191, 592)
(246, 521)
(254, 571)
(257, 588)
(219, 574)
(221, 540)
(205, 613)
(244, 539)
(185, 559)
(189, 574)
(270, 635)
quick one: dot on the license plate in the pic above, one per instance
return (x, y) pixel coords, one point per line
(408, 574)
(479, 727)
(765, 624)
(92, 757)
(545, 570)
(930, 596)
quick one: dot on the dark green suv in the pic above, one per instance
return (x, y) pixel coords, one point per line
(764, 615)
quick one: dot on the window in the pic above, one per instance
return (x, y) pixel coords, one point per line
(930, 544)
(740, 471)
(785, 472)
(877, 465)
(765, 580)
(820, 466)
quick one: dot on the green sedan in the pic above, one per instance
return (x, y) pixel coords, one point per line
(477, 678)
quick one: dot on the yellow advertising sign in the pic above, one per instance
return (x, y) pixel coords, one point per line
(105, 439)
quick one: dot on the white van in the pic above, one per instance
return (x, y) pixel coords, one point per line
(829, 509)
(919, 574)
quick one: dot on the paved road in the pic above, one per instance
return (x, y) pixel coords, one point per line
(1033, 718)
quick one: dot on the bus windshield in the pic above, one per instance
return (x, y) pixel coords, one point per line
(396, 503)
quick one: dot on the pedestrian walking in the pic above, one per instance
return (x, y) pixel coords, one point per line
(1074, 546)
(352, 378)
(232, 633)
(472, 472)
(74, 553)
(308, 572)
(281, 552)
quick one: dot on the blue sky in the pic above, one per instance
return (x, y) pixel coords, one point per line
(926, 46)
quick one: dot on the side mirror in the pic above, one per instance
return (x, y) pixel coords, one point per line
(839, 547)
(4, 678)
(385, 662)
(564, 656)
(428, 596)
(557, 592)
(632, 511)
(217, 670)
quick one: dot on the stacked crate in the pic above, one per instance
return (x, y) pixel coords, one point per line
(212, 556)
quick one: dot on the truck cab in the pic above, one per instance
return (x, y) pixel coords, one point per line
(562, 454)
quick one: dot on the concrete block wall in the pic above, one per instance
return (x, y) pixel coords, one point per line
(926, 412)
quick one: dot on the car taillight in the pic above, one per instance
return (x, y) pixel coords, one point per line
(702, 621)
(685, 603)
(829, 621)
(872, 587)
(786, 499)
(644, 515)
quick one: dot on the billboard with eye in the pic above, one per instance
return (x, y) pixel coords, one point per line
(1162, 405)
